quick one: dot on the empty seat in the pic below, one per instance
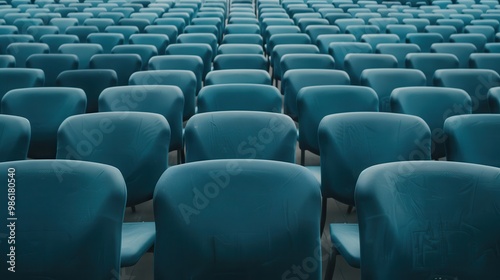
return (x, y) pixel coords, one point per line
(91, 81)
(100, 23)
(485, 61)
(38, 31)
(159, 99)
(240, 61)
(204, 51)
(239, 97)
(21, 51)
(428, 63)
(339, 50)
(399, 51)
(123, 64)
(375, 39)
(20, 78)
(143, 50)
(84, 51)
(306, 61)
(243, 39)
(15, 138)
(107, 40)
(169, 30)
(200, 38)
(45, 108)
(7, 61)
(384, 81)
(136, 143)
(275, 136)
(52, 65)
(402, 30)
(424, 40)
(356, 63)
(237, 48)
(90, 200)
(488, 31)
(434, 105)
(461, 51)
(178, 252)
(316, 102)
(185, 80)
(476, 82)
(251, 76)
(126, 31)
(6, 40)
(294, 80)
(323, 41)
(81, 31)
(57, 40)
(281, 50)
(159, 41)
(478, 40)
(192, 63)
(445, 30)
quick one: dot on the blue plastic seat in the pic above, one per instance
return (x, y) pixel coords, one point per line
(285, 188)
(323, 41)
(295, 80)
(145, 51)
(243, 39)
(428, 63)
(275, 136)
(434, 105)
(123, 64)
(159, 99)
(184, 79)
(56, 40)
(384, 81)
(424, 40)
(351, 142)
(15, 138)
(100, 80)
(238, 76)
(476, 82)
(315, 30)
(461, 51)
(200, 38)
(281, 50)
(402, 30)
(21, 51)
(375, 39)
(485, 61)
(192, 63)
(445, 30)
(126, 31)
(100, 23)
(159, 41)
(291, 61)
(89, 202)
(38, 31)
(136, 143)
(378, 198)
(84, 51)
(339, 50)
(45, 108)
(63, 23)
(316, 102)
(140, 23)
(169, 30)
(13, 78)
(240, 61)
(399, 51)
(107, 40)
(478, 40)
(279, 39)
(52, 65)
(356, 63)
(204, 51)
(81, 32)
(7, 61)
(6, 40)
(239, 97)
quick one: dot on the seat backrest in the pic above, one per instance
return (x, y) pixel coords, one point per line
(45, 108)
(74, 208)
(204, 51)
(316, 102)
(306, 61)
(461, 51)
(134, 142)
(434, 105)
(494, 100)
(14, 138)
(184, 79)
(428, 193)
(485, 61)
(428, 63)
(160, 99)
(424, 40)
(476, 82)
(21, 51)
(478, 40)
(356, 63)
(6, 40)
(54, 41)
(20, 78)
(52, 65)
(339, 50)
(101, 79)
(159, 41)
(399, 51)
(84, 51)
(7, 61)
(227, 189)
(384, 81)
(192, 63)
(239, 97)
(473, 139)
(351, 142)
(107, 40)
(123, 64)
(146, 52)
(245, 134)
(280, 50)
(297, 79)
(240, 61)
(238, 76)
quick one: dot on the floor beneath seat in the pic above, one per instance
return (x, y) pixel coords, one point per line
(337, 212)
